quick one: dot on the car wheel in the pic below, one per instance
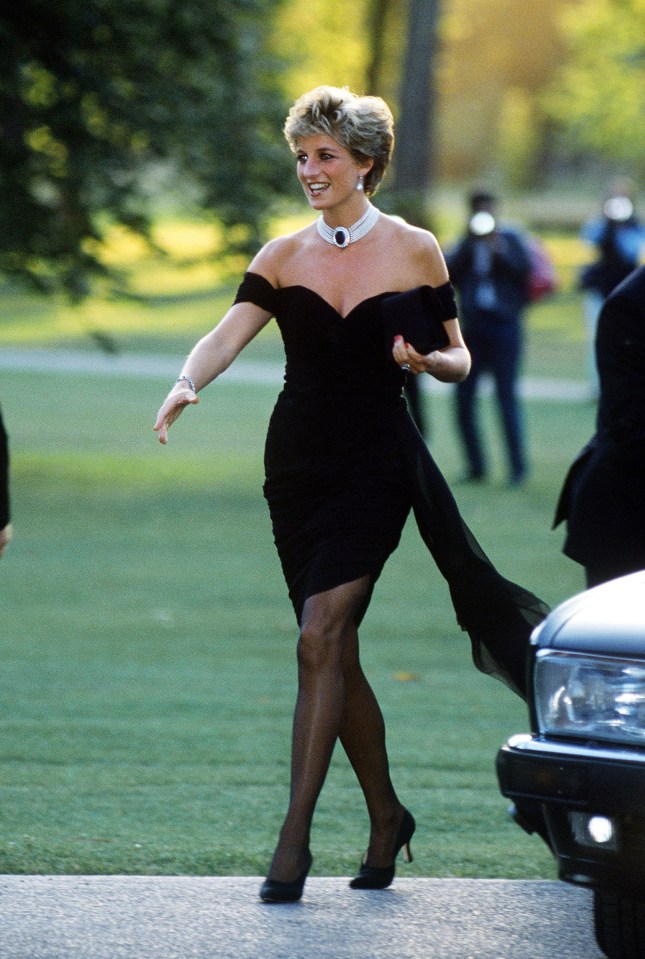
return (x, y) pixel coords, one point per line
(619, 925)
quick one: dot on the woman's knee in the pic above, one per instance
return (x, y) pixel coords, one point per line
(319, 645)
(328, 631)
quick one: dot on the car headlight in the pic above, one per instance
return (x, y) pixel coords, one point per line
(593, 697)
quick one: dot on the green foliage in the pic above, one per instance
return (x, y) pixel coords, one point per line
(321, 42)
(598, 96)
(519, 138)
(496, 58)
(105, 105)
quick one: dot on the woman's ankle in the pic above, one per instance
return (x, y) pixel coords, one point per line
(288, 862)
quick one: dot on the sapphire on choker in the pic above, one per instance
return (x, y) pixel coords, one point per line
(342, 236)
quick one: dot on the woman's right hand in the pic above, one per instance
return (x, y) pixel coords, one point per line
(171, 408)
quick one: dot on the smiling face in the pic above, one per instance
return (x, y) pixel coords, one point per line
(329, 174)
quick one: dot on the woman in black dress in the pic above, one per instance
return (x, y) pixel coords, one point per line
(340, 451)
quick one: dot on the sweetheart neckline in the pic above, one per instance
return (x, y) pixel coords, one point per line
(319, 296)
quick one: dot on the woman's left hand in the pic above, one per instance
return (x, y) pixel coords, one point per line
(450, 365)
(408, 358)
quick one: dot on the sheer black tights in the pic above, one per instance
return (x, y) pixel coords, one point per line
(335, 701)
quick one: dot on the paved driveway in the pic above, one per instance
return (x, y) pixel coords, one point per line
(137, 917)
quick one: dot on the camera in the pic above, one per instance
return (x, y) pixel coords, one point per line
(618, 209)
(482, 224)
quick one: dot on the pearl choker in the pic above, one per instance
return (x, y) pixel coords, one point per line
(342, 236)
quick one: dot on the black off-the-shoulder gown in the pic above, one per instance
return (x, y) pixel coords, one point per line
(344, 465)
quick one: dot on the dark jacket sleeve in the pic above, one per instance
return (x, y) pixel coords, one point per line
(459, 260)
(513, 258)
(4, 476)
(620, 353)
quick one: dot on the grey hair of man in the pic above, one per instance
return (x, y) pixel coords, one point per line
(363, 125)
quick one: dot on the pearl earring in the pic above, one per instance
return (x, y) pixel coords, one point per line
(359, 185)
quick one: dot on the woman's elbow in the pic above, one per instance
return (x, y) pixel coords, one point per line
(459, 367)
(463, 367)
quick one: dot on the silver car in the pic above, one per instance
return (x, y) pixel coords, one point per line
(578, 779)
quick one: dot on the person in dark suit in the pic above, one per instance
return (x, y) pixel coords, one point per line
(603, 497)
(617, 238)
(490, 266)
(5, 526)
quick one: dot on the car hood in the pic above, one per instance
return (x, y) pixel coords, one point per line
(607, 619)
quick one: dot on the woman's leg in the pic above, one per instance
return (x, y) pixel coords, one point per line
(362, 733)
(327, 627)
(467, 410)
(506, 370)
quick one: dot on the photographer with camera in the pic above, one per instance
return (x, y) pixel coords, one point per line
(490, 267)
(617, 237)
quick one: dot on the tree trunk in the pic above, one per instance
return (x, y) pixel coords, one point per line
(414, 151)
(377, 17)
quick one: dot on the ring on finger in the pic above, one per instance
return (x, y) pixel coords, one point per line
(405, 367)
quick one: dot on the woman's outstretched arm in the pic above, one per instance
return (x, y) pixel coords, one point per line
(208, 359)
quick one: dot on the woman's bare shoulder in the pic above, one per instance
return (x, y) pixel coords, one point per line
(272, 261)
(420, 251)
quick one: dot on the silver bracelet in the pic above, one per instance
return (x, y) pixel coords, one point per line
(188, 380)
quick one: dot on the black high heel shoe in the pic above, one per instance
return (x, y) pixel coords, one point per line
(274, 891)
(373, 877)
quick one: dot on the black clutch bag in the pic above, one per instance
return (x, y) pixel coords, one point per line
(418, 316)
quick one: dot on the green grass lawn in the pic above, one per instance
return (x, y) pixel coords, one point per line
(148, 646)
(147, 642)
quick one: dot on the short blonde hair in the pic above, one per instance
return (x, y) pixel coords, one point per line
(362, 125)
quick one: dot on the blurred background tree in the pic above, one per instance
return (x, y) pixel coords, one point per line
(414, 161)
(524, 96)
(598, 94)
(497, 56)
(108, 108)
(105, 105)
